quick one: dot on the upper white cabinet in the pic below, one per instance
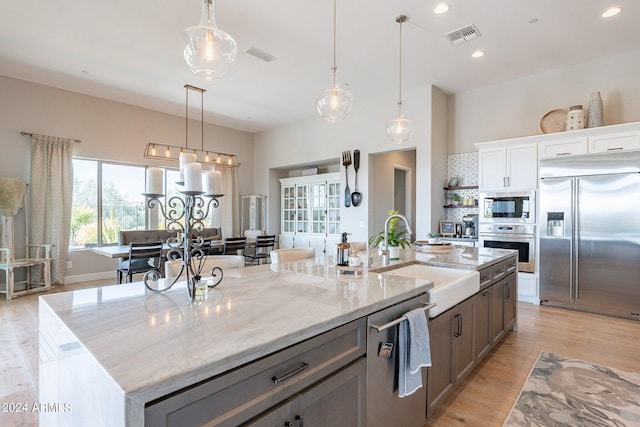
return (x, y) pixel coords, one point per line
(310, 211)
(614, 142)
(562, 147)
(593, 140)
(508, 166)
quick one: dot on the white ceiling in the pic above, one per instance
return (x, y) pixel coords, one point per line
(131, 50)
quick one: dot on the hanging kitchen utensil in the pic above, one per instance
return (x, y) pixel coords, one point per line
(346, 161)
(356, 196)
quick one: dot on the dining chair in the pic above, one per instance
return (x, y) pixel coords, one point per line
(232, 245)
(291, 254)
(261, 249)
(143, 257)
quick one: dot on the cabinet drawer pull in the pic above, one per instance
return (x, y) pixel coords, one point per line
(277, 379)
(299, 420)
(562, 154)
(615, 148)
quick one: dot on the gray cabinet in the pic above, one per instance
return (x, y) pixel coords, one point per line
(464, 334)
(235, 397)
(337, 400)
(452, 349)
(496, 304)
(484, 339)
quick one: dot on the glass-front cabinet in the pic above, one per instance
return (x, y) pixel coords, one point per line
(310, 211)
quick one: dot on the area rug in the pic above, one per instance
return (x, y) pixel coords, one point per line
(561, 391)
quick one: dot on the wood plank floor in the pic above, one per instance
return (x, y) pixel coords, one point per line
(483, 399)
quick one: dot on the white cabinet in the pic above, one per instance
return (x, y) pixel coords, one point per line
(310, 211)
(563, 147)
(614, 142)
(508, 167)
(528, 288)
(593, 140)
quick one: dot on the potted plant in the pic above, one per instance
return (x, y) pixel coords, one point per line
(432, 237)
(456, 199)
(395, 238)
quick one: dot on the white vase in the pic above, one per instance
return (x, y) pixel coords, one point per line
(575, 118)
(595, 116)
(394, 252)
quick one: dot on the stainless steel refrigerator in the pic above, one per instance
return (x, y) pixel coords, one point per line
(589, 226)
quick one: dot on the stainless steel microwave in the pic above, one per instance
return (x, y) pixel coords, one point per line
(512, 207)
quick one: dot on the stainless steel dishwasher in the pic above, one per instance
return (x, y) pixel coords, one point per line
(384, 407)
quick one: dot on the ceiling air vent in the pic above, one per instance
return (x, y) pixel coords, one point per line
(260, 54)
(463, 34)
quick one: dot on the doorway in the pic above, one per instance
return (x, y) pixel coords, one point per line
(394, 184)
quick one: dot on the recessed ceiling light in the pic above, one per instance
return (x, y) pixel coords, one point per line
(441, 8)
(477, 54)
(611, 12)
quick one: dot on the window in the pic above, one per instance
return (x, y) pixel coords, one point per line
(113, 192)
(107, 198)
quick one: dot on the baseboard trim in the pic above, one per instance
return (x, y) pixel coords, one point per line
(530, 299)
(90, 277)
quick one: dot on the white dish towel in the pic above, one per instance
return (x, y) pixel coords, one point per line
(414, 351)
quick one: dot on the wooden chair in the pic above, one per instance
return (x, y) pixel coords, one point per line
(232, 245)
(261, 250)
(37, 255)
(292, 254)
(143, 257)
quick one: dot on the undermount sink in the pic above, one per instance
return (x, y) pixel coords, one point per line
(450, 286)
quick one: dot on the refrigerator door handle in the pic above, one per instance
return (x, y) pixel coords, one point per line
(576, 236)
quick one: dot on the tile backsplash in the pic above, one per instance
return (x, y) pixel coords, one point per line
(465, 166)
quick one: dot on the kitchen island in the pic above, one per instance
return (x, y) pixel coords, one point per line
(109, 354)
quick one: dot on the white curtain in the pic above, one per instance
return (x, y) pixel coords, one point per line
(227, 215)
(51, 191)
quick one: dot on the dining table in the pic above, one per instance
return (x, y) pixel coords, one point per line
(122, 251)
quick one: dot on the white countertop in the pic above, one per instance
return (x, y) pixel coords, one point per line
(152, 344)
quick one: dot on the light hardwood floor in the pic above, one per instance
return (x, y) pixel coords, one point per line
(483, 399)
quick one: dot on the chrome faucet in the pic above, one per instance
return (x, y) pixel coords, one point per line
(385, 251)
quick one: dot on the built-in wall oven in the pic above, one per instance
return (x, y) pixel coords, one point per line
(520, 237)
(507, 220)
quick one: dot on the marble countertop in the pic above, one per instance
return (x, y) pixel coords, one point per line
(462, 257)
(152, 344)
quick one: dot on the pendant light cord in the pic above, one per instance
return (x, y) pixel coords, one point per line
(400, 19)
(335, 43)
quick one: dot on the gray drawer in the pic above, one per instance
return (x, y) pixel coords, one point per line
(234, 397)
(499, 271)
(486, 277)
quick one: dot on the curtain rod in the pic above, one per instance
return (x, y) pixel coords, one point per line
(30, 134)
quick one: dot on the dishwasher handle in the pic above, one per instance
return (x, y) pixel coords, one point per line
(399, 319)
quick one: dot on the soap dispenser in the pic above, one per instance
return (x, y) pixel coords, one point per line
(342, 257)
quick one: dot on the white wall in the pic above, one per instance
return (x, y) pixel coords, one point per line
(514, 108)
(364, 129)
(108, 130)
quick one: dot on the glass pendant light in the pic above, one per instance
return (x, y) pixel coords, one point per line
(210, 52)
(400, 130)
(334, 103)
